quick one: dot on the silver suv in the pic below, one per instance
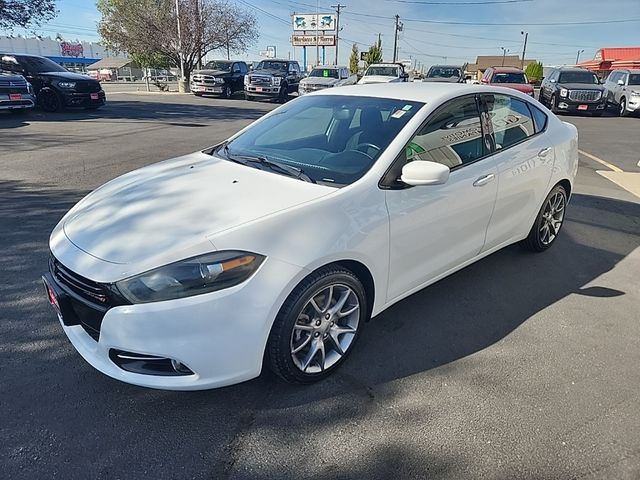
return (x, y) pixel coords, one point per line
(622, 89)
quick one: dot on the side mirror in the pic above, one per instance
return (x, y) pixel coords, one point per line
(484, 80)
(552, 80)
(422, 172)
(620, 82)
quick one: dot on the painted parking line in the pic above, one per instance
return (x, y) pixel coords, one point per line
(600, 161)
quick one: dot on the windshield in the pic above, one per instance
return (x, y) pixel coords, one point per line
(511, 77)
(333, 139)
(39, 64)
(324, 72)
(578, 77)
(634, 79)
(443, 72)
(216, 65)
(382, 71)
(269, 65)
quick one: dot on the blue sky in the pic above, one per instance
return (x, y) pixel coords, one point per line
(423, 38)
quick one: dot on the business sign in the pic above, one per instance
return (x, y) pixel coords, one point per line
(68, 49)
(311, 21)
(310, 40)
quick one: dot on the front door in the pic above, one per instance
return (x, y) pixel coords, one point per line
(435, 228)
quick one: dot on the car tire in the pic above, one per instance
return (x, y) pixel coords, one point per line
(623, 108)
(309, 339)
(197, 94)
(283, 95)
(49, 100)
(227, 92)
(549, 221)
(553, 104)
(541, 98)
(248, 97)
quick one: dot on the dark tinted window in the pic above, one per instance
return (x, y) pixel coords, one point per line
(510, 77)
(578, 77)
(218, 65)
(634, 79)
(453, 136)
(539, 118)
(511, 120)
(324, 72)
(272, 65)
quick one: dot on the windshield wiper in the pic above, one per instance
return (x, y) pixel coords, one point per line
(273, 165)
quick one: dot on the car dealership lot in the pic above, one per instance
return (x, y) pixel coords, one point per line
(518, 366)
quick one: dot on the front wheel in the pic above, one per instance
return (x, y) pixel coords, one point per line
(549, 221)
(227, 92)
(248, 97)
(317, 326)
(623, 107)
(553, 104)
(49, 100)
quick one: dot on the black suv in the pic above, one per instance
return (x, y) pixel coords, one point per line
(55, 86)
(273, 79)
(222, 77)
(573, 90)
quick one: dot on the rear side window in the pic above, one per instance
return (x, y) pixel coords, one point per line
(539, 118)
(511, 120)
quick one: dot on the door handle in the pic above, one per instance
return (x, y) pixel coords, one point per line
(544, 152)
(482, 181)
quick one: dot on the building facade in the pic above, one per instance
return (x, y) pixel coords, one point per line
(75, 55)
(609, 59)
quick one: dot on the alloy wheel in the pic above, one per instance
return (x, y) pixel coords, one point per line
(623, 107)
(325, 328)
(552, 218)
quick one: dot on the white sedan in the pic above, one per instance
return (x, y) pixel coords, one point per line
(276, 246)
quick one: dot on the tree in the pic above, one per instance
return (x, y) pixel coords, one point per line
(354, 59)
(25, 13)
(534, 72)
(374, 55)
(150, 60)
(150, 27)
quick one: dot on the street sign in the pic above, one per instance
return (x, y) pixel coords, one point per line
(363, 56)
(310, 40)
(311, 22)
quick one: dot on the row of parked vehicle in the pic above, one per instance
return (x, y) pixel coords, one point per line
(27, 80)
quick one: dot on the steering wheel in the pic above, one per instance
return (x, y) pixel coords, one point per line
(368, 146)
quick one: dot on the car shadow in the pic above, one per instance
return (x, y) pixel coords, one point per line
(63, 402)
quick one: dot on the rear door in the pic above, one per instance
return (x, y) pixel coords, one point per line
(524, 161)
(435, 228)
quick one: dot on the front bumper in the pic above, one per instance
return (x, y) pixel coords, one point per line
(219, 336)
(566, 105)
(206, 87)
(633, 105)
(262, 91)
(25, 101)
(74, 99)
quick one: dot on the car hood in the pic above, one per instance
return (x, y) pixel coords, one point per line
(214, 73)
(378, 79)
(581, 86)
(319, 81)
(442, 79)
(67, 76)
(175, 205)
(274, 73)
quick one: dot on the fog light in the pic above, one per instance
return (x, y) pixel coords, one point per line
(180, 368)
(563, 105)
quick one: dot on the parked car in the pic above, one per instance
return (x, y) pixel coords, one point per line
(326, 77)
(221, 77)
(572, 89)
(510, 77)
(16, 94)
(622, 89)
(446, 73)
(55, 87)
(275, 79)
(277, 245)
(384, 73)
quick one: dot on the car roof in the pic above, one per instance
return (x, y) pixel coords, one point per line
(573, 69)
(507, 69)
(390, 64)
(445, 66)
(328, 67)
(417, 91)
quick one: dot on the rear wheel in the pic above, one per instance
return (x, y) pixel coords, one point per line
(317, 326)
(549, 221)
(49, 100)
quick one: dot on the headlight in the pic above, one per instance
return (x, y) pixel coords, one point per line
(246, 79)
(29, 88)
(276, 80)
(564, 92)
(67, 84)
(193, 276)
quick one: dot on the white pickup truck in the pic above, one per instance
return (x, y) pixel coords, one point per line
(384, 73)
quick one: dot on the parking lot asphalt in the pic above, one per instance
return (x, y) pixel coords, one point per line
(519, 366)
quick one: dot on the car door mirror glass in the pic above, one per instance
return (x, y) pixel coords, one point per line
(422, 172)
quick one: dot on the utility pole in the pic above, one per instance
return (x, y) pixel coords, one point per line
(182, 85)
(578, 56)
(199, 15)
(524, 49)
(395, 38)
(337, 7)
(317, 39)
(504, 53)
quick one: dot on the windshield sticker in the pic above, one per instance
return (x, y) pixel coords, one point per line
(406, 108)
(398, 113)
(325, 73)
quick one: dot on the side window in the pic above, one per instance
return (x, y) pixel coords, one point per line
(243, 68)
(539, 118)
(235, 68)
(511, 120)
(453, 136)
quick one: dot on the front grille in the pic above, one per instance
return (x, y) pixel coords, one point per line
(208, 79)
(259, 80)
(87, 87)
(585, 95)
(87, 289)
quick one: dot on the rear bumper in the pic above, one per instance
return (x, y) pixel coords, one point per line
(84, 99)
